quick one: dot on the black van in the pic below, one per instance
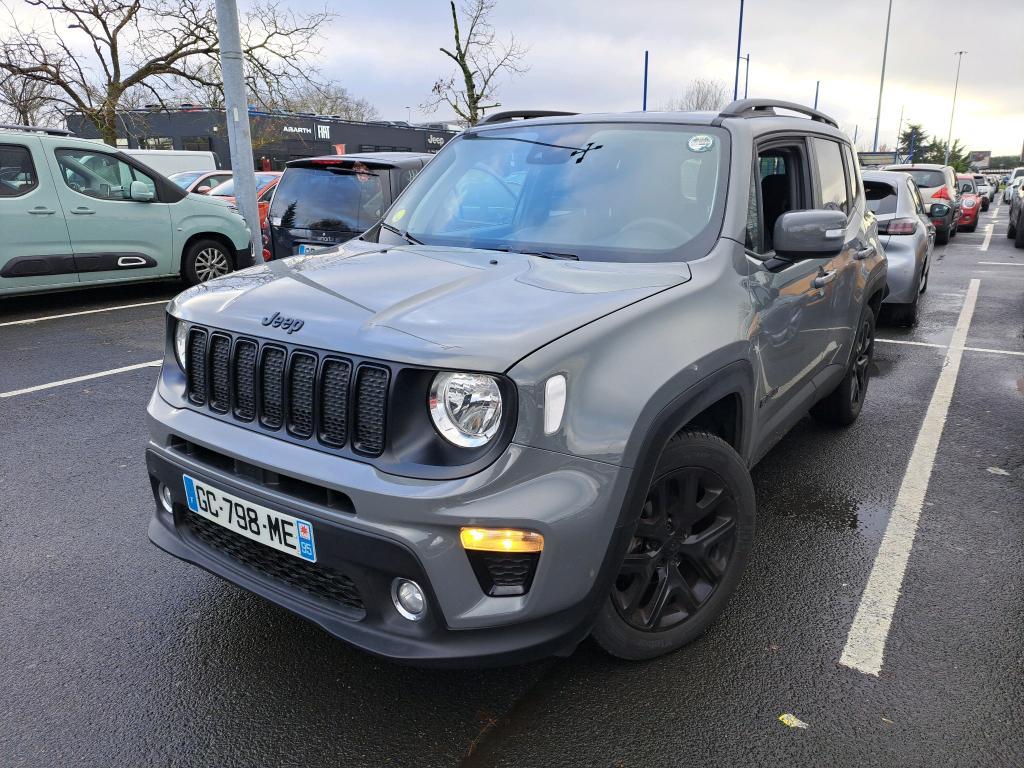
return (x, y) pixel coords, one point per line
(323, 201)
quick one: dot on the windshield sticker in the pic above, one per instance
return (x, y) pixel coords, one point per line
(701, 142)
(399, 215)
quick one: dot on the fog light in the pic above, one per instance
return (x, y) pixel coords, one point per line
(165, 498)
(408, 599)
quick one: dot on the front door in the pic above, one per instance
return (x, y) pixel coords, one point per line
(35, 252)
(113, 236)
(793, 331)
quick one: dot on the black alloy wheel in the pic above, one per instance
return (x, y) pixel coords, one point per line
(864, 349)
(680, 552)
(685, 558)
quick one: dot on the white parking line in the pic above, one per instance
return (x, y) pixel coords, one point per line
(1003, 263)
(865, 643)
(76, 379)
(988, 237)
(83, 312)
(943, 346)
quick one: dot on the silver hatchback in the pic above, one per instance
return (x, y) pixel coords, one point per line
(907, 235)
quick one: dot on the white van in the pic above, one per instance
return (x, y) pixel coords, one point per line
(170, 161)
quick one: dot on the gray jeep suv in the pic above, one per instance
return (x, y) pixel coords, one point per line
(522, 409)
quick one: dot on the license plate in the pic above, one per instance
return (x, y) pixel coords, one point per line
(279, 531)
(304, 248)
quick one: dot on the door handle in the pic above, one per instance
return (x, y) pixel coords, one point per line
(80, 211)
(824, 279)
(864, 253)
(41, 211)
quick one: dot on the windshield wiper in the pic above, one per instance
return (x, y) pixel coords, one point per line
(542, 254)
(404, 235)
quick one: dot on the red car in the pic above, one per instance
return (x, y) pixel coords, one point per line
(970, 202)
(265, 183)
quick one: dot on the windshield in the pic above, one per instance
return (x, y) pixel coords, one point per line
(600, 191)
(227, 189)
(967, 185)
(329, 199)
(186, 178)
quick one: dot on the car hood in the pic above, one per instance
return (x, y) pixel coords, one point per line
(215, 201)
(443, 307)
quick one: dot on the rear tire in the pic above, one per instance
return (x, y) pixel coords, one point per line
(1011, 229)
(1018, 235)
(205, 260)
(843, 405)
(687, 554)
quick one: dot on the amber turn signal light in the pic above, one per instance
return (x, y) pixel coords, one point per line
(501, 540)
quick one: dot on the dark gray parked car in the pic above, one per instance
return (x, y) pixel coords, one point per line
(523, 408)
(908, 237)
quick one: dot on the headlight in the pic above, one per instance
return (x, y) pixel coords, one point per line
(181, 329)
(465, 407)
(970, 203)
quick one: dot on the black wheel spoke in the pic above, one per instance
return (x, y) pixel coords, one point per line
(681, 549)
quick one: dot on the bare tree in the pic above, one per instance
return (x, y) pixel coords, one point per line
(133, 46)
(25, 101)
(480, 58)
(326, 99)
(702, 95)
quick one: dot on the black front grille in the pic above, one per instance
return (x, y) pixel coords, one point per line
(325, 583)
(298, 393)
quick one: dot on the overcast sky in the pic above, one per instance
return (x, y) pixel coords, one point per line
(587, 55)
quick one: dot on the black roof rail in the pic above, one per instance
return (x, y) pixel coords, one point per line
(523, 114)
(35, 129)
(766, 107)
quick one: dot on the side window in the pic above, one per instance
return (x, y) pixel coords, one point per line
(781, 176)
(915, 195)
(405, 176)
(831, 176)
(17, 172)
(753, 234)
(99, 175)
(853, 175)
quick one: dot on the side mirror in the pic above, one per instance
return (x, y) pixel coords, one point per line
(140, 192)
(810, 234)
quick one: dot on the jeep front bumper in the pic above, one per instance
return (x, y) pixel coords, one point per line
(399, 527)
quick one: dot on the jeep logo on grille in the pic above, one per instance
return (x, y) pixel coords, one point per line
(290, 324)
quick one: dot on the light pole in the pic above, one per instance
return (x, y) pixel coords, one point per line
(956, 84)
(746, 76)
(646, 59)
(739, 44)
(898, 132)
(817, 88)
(881, 84)
(408, 115)
(236, 112)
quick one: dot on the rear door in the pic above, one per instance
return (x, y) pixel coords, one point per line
(36, 251)
(113, 237)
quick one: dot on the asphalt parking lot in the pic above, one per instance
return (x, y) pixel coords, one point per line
(117, 654)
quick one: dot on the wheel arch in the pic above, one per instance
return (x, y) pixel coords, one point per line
(218, 237)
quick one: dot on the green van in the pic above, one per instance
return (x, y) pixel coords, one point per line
(75, 213)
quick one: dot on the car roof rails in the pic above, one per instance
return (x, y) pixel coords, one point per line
(35, 129)
(767, 107)
(522, 114)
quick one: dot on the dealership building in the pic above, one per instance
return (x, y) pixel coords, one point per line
(277, 137)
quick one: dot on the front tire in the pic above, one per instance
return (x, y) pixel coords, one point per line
(843, 405)
(687, 554)
(205, 260)
(1018, 234)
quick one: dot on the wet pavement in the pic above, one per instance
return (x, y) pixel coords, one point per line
(117, 654)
